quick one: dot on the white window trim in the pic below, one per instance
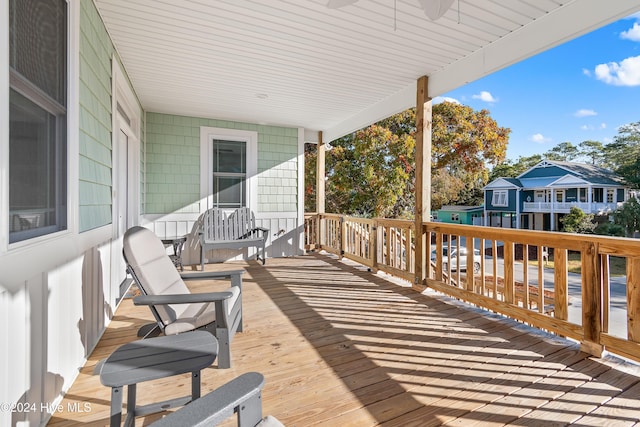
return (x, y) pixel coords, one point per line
(207, 135)
(500, 198)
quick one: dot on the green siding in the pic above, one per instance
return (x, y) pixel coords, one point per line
(173, 164)
(96, 52)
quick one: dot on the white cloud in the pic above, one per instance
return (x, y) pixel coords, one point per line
(538, 138)
(586, 72)
(440, 99)
(624, 73)
(632, 33)
(592, 127)
(485, 96)
(585, 113)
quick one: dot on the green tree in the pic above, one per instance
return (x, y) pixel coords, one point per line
(310, 172)
(466, 143)
(371, 172)
(628, 216)
(592, 150)
(564, 152)
(368, 172)
(512, 169)
(623, 154)
(576, 221)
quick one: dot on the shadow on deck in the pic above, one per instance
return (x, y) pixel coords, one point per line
(341, 346)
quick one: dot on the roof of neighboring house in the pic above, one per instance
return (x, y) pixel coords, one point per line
(589, 173)
(500, 183)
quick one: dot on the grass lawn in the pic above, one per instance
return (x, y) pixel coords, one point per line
(617, 265)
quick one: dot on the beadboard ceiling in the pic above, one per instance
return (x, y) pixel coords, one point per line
(298, 63)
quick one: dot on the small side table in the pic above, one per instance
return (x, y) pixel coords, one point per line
(178, 243)
(151, 359)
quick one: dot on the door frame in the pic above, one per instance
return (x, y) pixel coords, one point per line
(125, 102)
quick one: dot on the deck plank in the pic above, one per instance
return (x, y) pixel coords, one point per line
(341, 346)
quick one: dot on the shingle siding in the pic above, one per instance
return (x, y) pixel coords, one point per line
(173, 164)
(95, 161)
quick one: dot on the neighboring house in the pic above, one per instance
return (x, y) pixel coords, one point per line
(541, 196)
(470, 215)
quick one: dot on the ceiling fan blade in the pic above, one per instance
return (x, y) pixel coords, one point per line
(336, 4)
(434, 9)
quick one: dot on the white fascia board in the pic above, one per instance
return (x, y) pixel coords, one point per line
(568, 180)
(500, 183)
(572, 20)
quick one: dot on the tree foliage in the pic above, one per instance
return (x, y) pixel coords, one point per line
(371, 172)
(576, 221)
(564, 152)
(368, 171)
(628, 216)
(511, 169)
(592, 151)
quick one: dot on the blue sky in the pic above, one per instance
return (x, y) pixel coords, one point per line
(582, 90)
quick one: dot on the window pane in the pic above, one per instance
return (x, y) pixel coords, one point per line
(37, 118)
(37, 170)
(229, 156)
(37, 43)
(229, 191)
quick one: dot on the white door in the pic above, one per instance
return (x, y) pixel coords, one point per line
(122, 184)
(126, 174)
(125, 202)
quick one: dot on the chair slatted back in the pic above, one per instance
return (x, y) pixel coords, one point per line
(241, 223)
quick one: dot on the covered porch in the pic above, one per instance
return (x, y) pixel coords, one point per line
(339, 345)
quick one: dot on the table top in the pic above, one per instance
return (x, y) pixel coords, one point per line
(159, 357)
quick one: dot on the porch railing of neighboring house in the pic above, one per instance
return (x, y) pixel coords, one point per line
(565, 207)
(525, 275)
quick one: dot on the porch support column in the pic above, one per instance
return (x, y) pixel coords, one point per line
(553, 210)
(518, 208)
(320, 175)
(423, 178)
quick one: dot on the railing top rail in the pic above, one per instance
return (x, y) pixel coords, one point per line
(620, 246)
(399, 223)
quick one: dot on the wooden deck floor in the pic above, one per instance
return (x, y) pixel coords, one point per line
(340, 346)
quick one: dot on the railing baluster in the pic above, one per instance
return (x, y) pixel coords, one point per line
(560, 289)
(633, 298)
(540, 281)
(591, 299)
(525, 276)
(606, 290)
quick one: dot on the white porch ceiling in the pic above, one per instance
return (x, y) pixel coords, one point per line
(298, 63)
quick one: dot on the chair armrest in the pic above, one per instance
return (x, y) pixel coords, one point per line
(203, 275)
(181, 298)
(241, 393)
(234, 275)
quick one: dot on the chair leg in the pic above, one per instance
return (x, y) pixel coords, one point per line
(224, 348)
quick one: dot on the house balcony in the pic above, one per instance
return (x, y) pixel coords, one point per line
(565, 207)
(343, 340)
